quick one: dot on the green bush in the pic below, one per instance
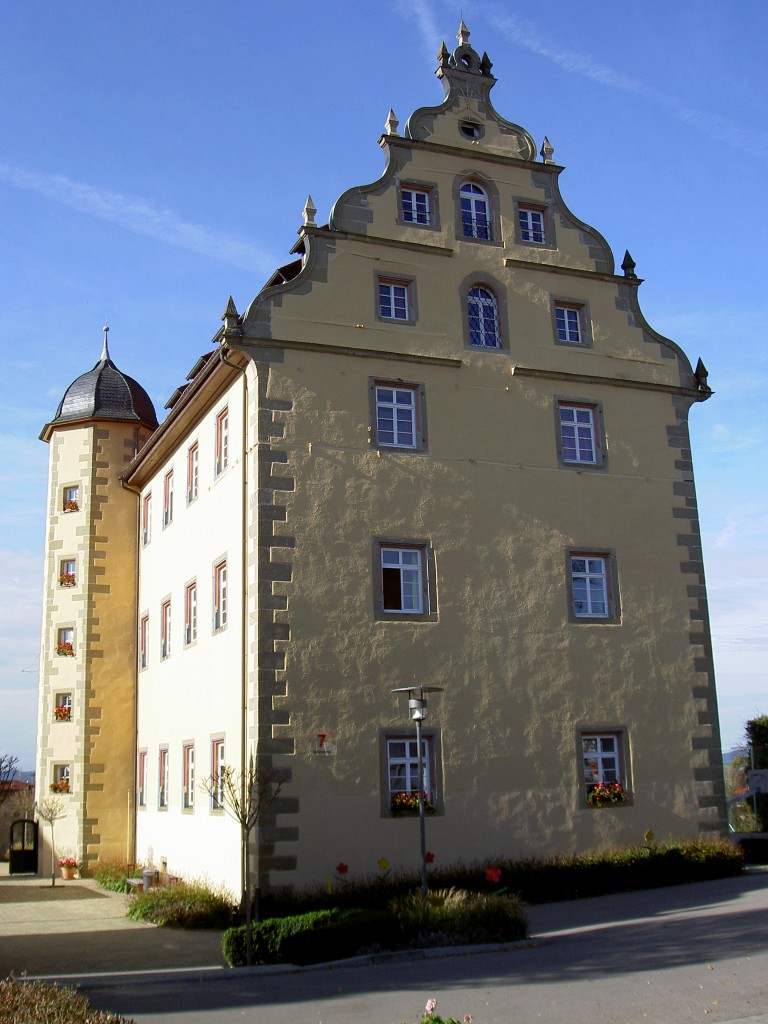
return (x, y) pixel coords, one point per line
(543, 880)
(41, 1001)
(312, 938)
(184, 905)
(114, 874)
(456, 917)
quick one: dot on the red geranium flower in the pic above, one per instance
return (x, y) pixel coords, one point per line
(429, 857)
(342, 868)
(493, 874)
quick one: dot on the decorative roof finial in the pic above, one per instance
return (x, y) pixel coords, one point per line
(546, 151)
(443, 56)
(463, 34)
(105, 348)
(230, 316)
(701, 374)
(308, 213)
(628, 265)
(391, 123)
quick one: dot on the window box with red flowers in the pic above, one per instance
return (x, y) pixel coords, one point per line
(67, 579)
(65, 649)
(602, 793)
(62, 713)
(60, 786)
(407, 804)
(71, 506)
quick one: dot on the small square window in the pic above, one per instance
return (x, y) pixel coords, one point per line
(415, 204)
(67, 570)
(65, 642)
(62, 779)
(532, 224)
(580, 441)
(571, 324)
(62, 709)
(405, 585)
(592, 584)
(395, 300)
(397, 415)
(603, 767)
(71, 499)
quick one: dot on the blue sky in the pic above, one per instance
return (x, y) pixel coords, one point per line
(156, 156)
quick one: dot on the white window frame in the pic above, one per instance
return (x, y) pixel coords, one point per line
(483, 317)
(590, 585)
(168, 498)
(475, 208)
(68, 567)
(165, 629)
(162, 779)
(603, 760)
(190, 613)
(569, 323)
(71, 494)
(66, 635)
(63, 773)
(217, 764)
(63, 700)
(415, 205)
(408, 563)
(188, 776)
(193, 472)
(397, 416)
(403, 768)
(143, 640)
(146, 519)
(578, 433)
(220, 595)
(532, 222)
(394, 300)
(141, 779)
(222, 441)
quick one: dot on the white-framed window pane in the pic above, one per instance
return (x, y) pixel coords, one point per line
(415, 205)
(568, 320)
(393, 301)
(475, 211)
(590, 587)
(193, 472)
(532, 226)
(402, 580)
(403, 766)
(483, 312)
(396, 416)
(577, 433)
(601, 761)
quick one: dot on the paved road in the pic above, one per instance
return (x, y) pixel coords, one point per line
(690, 953)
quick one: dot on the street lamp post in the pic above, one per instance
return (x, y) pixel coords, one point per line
(417, 711)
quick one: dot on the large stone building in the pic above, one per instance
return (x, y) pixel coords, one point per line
(442, 447)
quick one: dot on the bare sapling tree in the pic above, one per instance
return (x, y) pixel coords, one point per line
(245, 796)
(51, 810)
(8, 765)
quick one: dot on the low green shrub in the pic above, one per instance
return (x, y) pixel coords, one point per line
(114, 874)
(184, 905)
(456, 917)
(41, 1001)
(312, 938)
(535, 880)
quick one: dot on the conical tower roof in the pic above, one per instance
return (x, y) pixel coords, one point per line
(103, 393)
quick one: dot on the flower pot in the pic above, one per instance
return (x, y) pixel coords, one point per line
(67, 874)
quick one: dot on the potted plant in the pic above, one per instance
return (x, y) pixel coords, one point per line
(606, 793)
(69, 866)
(65, 649)
(71, 506)
(67, 579)
(60, 786)
(407, 804)
(62, 713)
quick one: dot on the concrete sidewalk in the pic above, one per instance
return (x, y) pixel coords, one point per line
(77, 928)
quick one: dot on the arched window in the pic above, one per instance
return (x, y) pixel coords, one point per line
(475, 211)
(483, 313)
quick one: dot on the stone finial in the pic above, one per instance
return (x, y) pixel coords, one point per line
(547, 150)
(443, 56)
(391, 123)
(701, 374)
(230, 316)
(485, 64)
(105, 346)
(628, 265)
(463, 34)
(308, 213)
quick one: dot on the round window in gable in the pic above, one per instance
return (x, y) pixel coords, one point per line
(471, 130)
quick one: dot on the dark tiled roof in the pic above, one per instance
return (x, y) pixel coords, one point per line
(106, 393)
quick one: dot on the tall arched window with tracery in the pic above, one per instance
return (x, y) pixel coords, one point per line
(483, 314)
(475, 211)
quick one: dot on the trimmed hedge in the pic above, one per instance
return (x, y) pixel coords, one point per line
(312, 938)
(548, 880)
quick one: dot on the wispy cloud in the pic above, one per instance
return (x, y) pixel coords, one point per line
(422, 12)
(140, 215)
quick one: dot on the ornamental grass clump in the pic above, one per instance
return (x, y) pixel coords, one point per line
(184, 905)
(457, 917)
(114, 874)
(23, 1002)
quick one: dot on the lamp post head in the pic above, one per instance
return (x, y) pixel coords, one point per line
(417, 702)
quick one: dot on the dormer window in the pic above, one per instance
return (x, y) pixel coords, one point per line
(471, 130)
